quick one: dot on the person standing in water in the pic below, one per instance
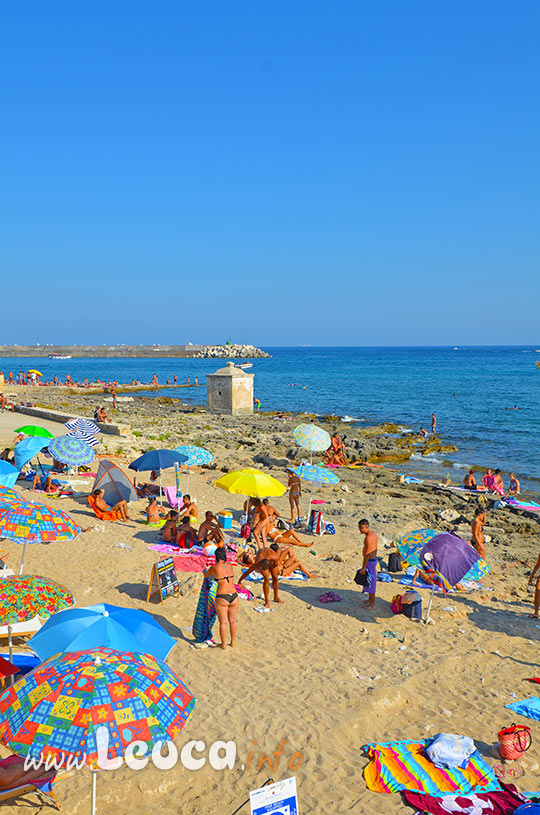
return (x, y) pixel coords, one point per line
(433, 423)
(369, 564)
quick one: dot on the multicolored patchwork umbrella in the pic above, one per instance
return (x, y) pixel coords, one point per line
(25, 523)
(35, 430)
(8, 496)
(196, 456)
(411, 545)
(23, 598)
(70, 451)
(83, 435)
(66, 706)
(83, 424)
(311, 437)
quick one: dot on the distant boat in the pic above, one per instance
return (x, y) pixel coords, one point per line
(60, 356)
(245, 365)
(456, 348)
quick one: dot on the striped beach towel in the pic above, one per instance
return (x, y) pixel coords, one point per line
(404, 765)
(205, 613)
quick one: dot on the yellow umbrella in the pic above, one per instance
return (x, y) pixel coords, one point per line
(252, 482)
(33, 371)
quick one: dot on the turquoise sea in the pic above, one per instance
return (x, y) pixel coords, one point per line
(468, 388)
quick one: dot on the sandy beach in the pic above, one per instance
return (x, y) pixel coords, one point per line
(307, 684)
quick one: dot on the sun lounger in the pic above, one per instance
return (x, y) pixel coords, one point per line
(103, 516)
(25, 629)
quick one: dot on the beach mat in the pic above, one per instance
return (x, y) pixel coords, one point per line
(530, 708)
(257, 578)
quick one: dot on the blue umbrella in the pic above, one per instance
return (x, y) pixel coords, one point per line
(315, 474)
(71, 451)
(26, 449)
(195, 455)
(102, 625)
(158, 460)
(8, 474)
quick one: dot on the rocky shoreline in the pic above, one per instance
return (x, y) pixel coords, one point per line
(226, 351)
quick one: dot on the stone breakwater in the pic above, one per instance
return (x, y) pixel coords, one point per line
(230, 352)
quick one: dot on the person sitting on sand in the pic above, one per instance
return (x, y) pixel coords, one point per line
(295, 493)
(280, 535)
(266, 563)
(227, 600)
(4, 455)
(537, 590)
(101, 415)
(499, 484)
(335, 455)
(488, 479)
(514, 487)
(469, 482)
(478, 537)
(154, 511)
(188, 508)
(288, 562)
(369, 563)
(168, 530)
(43, 483)
(186, 535)
(210, 530)
(102, 506)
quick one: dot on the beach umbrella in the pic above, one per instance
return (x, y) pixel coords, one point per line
(23, 598)
(76, 703)
(35, 430)
(8, 496)
(196, 456)
(88, 438)
(25, 523)
(8, 474)
(178, 483)
(83, 424)
(33, 371)
(158, 460)
(102, 625)
(316, 475)
(449, 558)
(70, 451)
(251, 482)
(28, 448)
(410, 547)
(312, 438)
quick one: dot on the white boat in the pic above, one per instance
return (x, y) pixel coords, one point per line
(60, 356)
(245, 365)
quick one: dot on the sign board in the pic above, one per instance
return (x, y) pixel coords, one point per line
(275, 799)
(163, 580)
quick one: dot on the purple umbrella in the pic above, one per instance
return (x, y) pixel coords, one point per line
(451, 557)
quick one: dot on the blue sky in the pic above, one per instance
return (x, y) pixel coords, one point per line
(276, 172)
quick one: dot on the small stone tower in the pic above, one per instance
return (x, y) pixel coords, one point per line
(230, 390)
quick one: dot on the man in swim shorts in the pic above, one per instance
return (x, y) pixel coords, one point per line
(469, 482)
(369, 564)
(210, 530)
(266, 563)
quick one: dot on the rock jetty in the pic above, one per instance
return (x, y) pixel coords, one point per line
(230, 352)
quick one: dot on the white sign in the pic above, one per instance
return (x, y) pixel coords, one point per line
(275, 799)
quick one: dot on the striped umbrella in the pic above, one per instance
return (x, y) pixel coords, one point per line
(23, 598)
(70, 451)
(83, 424)
(88, 438)
(311, 437)
(195, 456)
(75, 703)
(34, 523)
(315, 474)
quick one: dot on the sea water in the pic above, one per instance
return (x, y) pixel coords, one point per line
(471, 390)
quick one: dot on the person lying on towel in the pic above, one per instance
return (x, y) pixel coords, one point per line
(274, 562)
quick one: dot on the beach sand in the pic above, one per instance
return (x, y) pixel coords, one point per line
(319, 680)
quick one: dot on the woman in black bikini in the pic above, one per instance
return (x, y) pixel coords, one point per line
(227, 597)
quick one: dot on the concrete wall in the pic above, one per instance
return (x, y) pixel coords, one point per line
(58, 416)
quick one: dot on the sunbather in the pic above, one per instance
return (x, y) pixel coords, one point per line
(188, 508)
(478, 537)
(186, 536)
(335, 455)
(15, 775)
(168, 531)
(227, 601)
(295, 493)
(154, 511)
(288, 562)
(280, 535)
(266, 563)
(210, 530)
(260, 521)
(43, 483)
(469, 482)
(102, 506)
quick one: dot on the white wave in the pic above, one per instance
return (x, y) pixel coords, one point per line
(350, 419)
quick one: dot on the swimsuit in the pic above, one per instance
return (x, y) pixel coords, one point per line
(230, 598)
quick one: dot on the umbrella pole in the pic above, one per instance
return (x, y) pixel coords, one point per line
(426, 621)
(21, 567)
(187, 478)
(160, 492)
(10, 647)
(94, 785)
(310, 499)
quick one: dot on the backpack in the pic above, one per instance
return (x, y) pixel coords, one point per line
(245, 531)
(394, 562)
(397, 603)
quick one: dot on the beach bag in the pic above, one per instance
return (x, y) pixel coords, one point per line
(514, 741)
(397, 604)
(316, 523)
(361, 579)
(394, 562)
(245, 531)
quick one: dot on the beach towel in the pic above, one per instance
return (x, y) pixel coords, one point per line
(498, 802)
(530, 506)
(403, 765)
(258, 578)
(527, 707)
(205, 613)
(407, 580)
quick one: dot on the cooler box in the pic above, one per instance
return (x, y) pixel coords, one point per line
(225, 519)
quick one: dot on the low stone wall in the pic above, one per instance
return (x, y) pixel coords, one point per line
(58, 416)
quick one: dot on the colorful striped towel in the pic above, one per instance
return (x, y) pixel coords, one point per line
(403, 765)
(205, 613)
(296, 575)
